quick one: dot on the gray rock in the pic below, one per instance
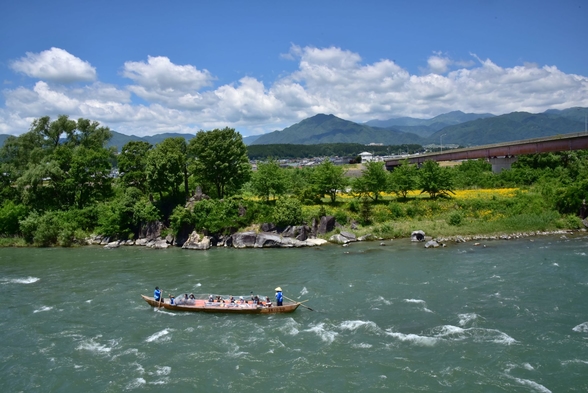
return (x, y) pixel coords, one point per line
(349, 235)
(267, 240)
(244, 239)
(195, 242)
(367, 237)
(268, 227)
(141, 242)
(110, 245)
(327, 224)
(152, 230)
(417, 236)
(431, 244)
(339, 239)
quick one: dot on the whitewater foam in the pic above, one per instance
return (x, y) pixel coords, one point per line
(27, 280)
(44, 308)
(327, 336)
(581, 328)
(159, 336)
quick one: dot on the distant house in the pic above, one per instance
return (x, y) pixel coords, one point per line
(366, 157)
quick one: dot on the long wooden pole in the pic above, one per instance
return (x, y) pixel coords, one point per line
(292, 300)
(160, 296)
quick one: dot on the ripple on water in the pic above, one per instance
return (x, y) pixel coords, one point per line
(26, 280)
(160, 336)
(327, 336)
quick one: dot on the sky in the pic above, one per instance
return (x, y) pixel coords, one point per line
(149, 67)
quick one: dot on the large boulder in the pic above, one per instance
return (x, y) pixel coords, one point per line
(350, 236)
(417, 236)
(152, 230)
(268, 227)
(267, 240)
(244, 239)
(300, 232)
(339, 239)
(195, 242)
(327, 224)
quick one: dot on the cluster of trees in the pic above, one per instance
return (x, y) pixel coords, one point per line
(59, 182)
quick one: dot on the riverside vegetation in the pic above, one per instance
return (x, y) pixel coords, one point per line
(57, 188)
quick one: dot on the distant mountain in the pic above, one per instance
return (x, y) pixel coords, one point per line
(331, 129)
(3, 137)
(505, 128)
(119, 140)
(426, 127)
(248, 140)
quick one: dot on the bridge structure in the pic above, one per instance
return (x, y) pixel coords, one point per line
(501, 155)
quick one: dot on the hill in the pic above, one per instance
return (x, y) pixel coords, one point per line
(427, 127)
(505, 128)
(331, 129)
(119, 140)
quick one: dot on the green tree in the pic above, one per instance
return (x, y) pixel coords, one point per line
(220, 160)
(435, 180)
(403, 179)
(269, 180)
(373, 181)
(166, 168)
(328, 179)
(288, 211)
(132, 164)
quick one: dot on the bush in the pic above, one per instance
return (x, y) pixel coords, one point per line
(455, 219)
(396, 210)
(288, 211)
(10, 215)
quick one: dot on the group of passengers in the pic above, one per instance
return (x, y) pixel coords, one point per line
(190, 300)
(254, 301)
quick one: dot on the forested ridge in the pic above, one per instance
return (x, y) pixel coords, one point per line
(59, 183)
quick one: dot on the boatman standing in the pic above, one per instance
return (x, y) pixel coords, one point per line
(157, 294)
(279, 296)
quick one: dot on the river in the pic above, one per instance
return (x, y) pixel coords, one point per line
(508, 317)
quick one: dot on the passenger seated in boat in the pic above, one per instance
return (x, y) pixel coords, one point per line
(211, 299)
(268, 302)
(232, 300)
(172, 300)
(192, 296)
(191, 300)
(241, 300)
(256, 299)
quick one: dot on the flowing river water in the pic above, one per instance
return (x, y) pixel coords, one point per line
(509, 317)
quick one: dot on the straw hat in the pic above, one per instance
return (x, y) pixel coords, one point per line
(278, 289)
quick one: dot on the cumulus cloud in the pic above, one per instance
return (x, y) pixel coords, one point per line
(55, 65)
(183, 98)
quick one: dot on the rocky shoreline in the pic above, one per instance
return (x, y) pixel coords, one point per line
(302, 236)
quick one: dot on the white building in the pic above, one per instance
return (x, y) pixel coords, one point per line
(366, 157)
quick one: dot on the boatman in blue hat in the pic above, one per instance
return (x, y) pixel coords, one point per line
(279, 296)
(157, 294)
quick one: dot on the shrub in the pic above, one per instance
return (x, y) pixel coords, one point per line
(396, 210)
(288, 211)
(455, 219)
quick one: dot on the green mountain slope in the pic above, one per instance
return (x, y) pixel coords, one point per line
(331, 129)
(505, 128)
(119, 140)
(426, 127)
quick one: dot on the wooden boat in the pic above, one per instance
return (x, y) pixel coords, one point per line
(203, 305)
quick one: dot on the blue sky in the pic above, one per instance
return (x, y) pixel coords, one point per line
(146, 67)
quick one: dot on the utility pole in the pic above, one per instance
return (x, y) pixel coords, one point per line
(441, 141)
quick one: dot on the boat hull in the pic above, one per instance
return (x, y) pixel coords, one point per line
(203, 306)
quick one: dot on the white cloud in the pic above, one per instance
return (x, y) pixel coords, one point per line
(182, 98)
(55, 65)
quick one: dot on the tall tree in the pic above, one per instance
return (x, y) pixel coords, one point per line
(167, 167)
(268, 180)
(220, 159)
(403, 179)
(434, 179)
(373, 181)
(132, 164)
(329, 179)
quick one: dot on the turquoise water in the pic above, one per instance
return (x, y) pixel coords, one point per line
(511, 317)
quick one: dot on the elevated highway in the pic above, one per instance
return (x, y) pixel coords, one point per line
(502, 155)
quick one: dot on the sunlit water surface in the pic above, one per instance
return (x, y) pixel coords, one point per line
(510, 317)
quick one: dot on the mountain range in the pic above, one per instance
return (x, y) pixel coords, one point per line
(458, 128)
